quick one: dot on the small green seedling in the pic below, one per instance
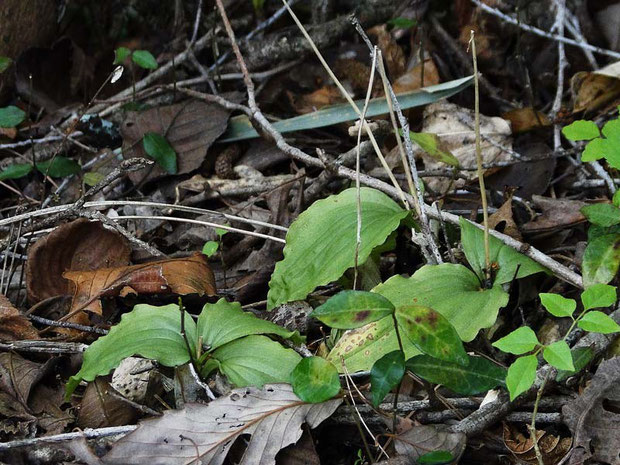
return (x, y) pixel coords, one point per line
(211, 247)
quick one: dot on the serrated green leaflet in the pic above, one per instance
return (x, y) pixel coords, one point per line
(240, 128)
(360, 348)
(11, 116)
(320, 244)
(478, 376)
(315, 380)
(152, 332)
(431, 332)
(256, 360)
(518, 342)
(507, 258)
(385, 375)
(59, 167)
(581, 130)
(598, 322)
(557, 305)
(598, 295)
(144, 59)
(452, 290)
(353, 309)
(558, 355)
(160, 150)
(15, 171)
(602, 214)
(601, 259)
(521, 375)
(223, 322)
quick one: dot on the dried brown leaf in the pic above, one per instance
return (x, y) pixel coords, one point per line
(13, 325)
(556, 214)
(392, 53)
(423, 439)
(99, 408)
(503, 217)
(412, 79)
(592, 91)
(552, 448)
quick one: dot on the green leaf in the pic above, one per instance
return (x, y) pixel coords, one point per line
(223, 322)
(431, 332)
(256, 360)
(431, 144)
(92, 178)
(149, 331)
(598, 295)
(581, 357)
(581, 130)
(59, 167)
(557, 305)
(616, 199)
(595, 150)
(353, 309)
(144, 59)
(160, 150)
(5, 62)
(611, 143)
(603, 214)
(120, 55)
(258, 4)
(437, 457)
(385, 375)
(558, 355)
(240, 128)
(11, 116)
(402, 23)
(15, 171)
(315, 380)
(506, 257)
(220, 232)
(210, 248)
(521, 375)
(479, 376)
(360, 348)
(601, 259)
(598, 322)
(320, 244)
(452, 290)
(520, 341)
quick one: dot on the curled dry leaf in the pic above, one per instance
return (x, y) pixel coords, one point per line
(100, 408)
(503, 217)
(13, 325)
(190, 127)
(592, 91)
(552, 448)
(189, 275)
(81, 245)
(205, 433)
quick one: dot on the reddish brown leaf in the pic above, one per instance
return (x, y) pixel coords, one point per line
(412, 79)
(77, 246)
(13, 325)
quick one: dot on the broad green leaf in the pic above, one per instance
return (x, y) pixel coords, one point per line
(92, 178)
(598, 295)
(480, 375)
(59, 167)
(320, 244)
(518, 342)
(210, 248)
(436, 457)
(452, 290)
(601, 259)
(431, 144)
(507, 258)
(11, 116)
(603, 214)
(353, 309)
(120, 55)
(5, 62)
(581, 130)
(595, 150)
(558, 355)
(360, 348)
(160, 150)
(402, 23)
(521, 375)
(149, 331)
(240, 128)
(611, 143)
(385, 375)
(598, 322)
(557, 305)
(256, 360)
(431, 332)
(15, 171)
(315, 380)
(581, 357)
(223, 322)
(144, 59)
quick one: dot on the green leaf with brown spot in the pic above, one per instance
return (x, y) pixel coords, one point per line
(315, 380)
(353, 309)
(431, 144)
(431, 332)
(601, 259)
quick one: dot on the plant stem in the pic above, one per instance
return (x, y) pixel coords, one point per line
(532, 426)
(483, 192)
(361, 431)
(400, 346)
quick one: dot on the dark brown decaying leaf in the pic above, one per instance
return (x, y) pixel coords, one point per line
(503, 217)
(272, 416)
(188, 275)
(81, 245)
(18, 376)
(190, 127)
(423, 439)
(302, 453)
(45, 404)
(552, 448)
(556, 214)
(593, 417)
(100, 408)
(13, 325)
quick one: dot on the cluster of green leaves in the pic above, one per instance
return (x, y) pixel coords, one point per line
(522, 373)
(224, 338)
(143, 58)
(602, 144)
(211, 247)
(57, 167)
